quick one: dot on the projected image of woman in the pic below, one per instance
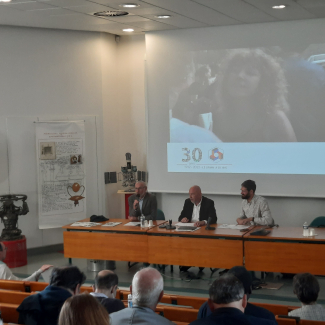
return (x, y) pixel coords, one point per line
(251, 101)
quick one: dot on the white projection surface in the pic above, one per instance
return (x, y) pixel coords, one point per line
(226, 104)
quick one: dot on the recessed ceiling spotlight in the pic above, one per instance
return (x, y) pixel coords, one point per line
(128, 30)
(163, 16)
(279, 7)
(5, 0)
(129, 5)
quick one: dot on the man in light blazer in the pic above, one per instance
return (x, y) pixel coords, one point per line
(142, 203)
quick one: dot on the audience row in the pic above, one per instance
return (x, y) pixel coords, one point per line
(60, 302)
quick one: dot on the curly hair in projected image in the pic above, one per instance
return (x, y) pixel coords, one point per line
(251, 103)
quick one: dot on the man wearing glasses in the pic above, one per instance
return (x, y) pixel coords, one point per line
(142, 203)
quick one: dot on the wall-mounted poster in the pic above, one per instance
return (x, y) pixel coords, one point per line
(60, 164)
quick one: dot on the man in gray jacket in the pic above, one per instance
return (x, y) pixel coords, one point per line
(142, 203)
(147, 290)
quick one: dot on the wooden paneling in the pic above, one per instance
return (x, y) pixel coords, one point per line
(195, 251)
(105, 246)
(284, 257)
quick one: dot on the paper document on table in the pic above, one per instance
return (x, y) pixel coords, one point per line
(111, 224)
(132, 224)
(182, 229)
(189, 224)
(85, 224)
(239, 227)
(46, 274)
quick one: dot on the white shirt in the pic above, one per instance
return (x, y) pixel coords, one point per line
(98, 294)
(6, 274)
(196, 212)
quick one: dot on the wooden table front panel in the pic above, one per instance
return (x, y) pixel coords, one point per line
(189, 251)
(285, 257)
(106, 246)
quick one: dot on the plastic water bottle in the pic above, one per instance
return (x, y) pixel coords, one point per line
(130, 301)
(142, 219)
(305, 232)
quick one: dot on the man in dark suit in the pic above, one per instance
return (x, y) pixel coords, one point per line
(142, 203)
(105, 288)
(198, 208)
(228, 302)
(251, 310)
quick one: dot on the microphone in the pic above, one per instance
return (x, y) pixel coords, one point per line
(208, 227)
(137, 205)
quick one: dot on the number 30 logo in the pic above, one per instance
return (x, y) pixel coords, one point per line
(196, 154)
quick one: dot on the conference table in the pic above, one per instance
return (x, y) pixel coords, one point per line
(154, 245)
(284, 249)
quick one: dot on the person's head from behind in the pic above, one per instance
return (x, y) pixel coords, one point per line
(248, 189)
(147, 288)
(244, 277)
(83, 309)
(227, 291)
(306, 288)
(3, 251)
(106, 282)
(68, 277)
(255, 75)
(195, 194)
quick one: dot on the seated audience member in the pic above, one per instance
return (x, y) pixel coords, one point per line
(44, 308)
(83, 310)
(142, 203)
(306, 287)
(254, 208)
(105, 291)
(6, 274)
(147, 290)
(251, 310)
(227, 301)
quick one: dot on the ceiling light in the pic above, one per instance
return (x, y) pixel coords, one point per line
(129, 5)
(128, 30)
(279, 7)
(5, 0)
(163, 16)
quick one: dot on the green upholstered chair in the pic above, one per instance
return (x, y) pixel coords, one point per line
(318, 222)
(160, 215)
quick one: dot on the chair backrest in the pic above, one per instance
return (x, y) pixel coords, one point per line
(32, 286)
(160, 215)
(311, 322)
(12, 285)
(285, 321)
(9, 313)
(13, 297)
(273, 308)
(195, 302)
(318, 222)
(179, 314)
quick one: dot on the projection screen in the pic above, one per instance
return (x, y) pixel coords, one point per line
(231, 103)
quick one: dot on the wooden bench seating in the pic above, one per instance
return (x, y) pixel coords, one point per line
(12, 297)
(12, 285)
(9, 312)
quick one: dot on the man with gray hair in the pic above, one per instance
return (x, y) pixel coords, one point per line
(147, 290)
(142, 202)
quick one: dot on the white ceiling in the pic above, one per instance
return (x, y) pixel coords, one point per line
(78, 14)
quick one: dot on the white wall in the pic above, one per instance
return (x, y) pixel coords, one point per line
(49, 73)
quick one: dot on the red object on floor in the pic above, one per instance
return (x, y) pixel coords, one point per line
(16, 252)
(127, 204)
